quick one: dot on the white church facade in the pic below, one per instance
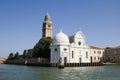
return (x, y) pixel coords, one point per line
(71, 49)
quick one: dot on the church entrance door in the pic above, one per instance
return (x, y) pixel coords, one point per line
(80, 60)
(65, 60)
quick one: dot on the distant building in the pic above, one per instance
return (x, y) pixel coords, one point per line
(29, 53)
(112, 55)
(2, 60)
(97, 54)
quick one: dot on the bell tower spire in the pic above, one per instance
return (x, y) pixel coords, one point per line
(47, 27)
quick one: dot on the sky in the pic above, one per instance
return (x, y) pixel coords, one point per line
(21, 22)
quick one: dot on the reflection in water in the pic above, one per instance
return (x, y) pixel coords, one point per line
(17, 72)
(81, 73)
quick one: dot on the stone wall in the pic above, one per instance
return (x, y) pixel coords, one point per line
(30, 61)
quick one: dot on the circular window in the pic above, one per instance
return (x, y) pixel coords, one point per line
(65, 49)
(55, 49)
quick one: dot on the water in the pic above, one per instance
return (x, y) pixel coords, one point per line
(19, 72)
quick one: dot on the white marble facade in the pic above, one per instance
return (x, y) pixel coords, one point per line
(70, 49)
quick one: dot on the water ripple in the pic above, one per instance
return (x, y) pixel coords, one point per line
(17, 72)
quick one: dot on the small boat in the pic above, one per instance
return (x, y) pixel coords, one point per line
(61, 64)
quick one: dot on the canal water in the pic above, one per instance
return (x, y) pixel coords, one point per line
(20, 72)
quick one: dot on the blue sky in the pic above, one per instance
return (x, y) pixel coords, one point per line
(21, 22)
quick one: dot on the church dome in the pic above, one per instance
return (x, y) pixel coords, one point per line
(61, 39)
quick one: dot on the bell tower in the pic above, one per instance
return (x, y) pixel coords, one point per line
(47, 27)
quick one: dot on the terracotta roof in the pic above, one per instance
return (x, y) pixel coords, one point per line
(93, 47)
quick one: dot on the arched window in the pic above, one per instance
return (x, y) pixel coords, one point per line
(72, 54)
(86, 54)
(79, 43)
(94, 52)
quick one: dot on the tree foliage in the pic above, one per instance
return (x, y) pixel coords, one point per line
(16, 55)
(11, 56)
(42, 48)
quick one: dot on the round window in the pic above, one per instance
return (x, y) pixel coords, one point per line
(65, 49)
(55, 49)
(79, 43)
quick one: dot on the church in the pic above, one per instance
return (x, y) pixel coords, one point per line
(72, 49)
(69, 49)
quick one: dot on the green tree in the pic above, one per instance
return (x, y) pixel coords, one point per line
(16, 55)
(11, 56)
(42, 48)
(24, 53)
(20, 56)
